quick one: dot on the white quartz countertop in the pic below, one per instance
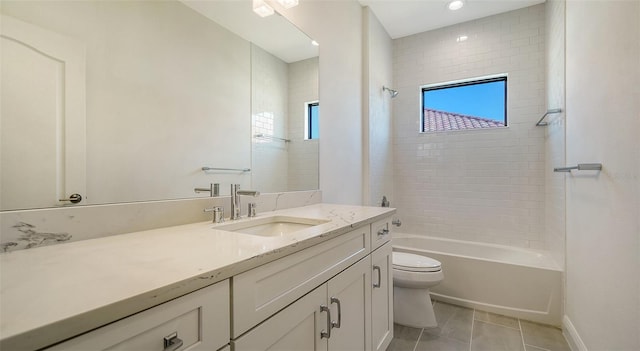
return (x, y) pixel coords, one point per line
(51, 293)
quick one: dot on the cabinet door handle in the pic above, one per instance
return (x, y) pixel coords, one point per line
(337, 324)
(383, 231)
(172, 342)
(327, 333)
(379, 283)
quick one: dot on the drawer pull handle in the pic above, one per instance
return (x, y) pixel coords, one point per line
(379, 283)
(339, 322)
(172, 342)
(383, 231)
(326, 334)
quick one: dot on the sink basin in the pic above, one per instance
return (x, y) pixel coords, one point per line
(272, 226)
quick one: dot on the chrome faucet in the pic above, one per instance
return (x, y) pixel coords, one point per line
(235, 199)
(213, 190)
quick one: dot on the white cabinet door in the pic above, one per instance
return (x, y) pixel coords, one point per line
(42, 117)
(382, 297)
(296, 328)
(350, 302)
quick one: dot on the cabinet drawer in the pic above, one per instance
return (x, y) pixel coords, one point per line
(199, 320)
(380, 232)
(263, 291)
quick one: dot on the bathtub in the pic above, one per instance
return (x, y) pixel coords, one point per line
(515, 282)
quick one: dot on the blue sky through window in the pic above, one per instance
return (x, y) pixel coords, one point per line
(314, 128)
(485, 100)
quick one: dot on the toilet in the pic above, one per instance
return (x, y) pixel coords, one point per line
(413, 276)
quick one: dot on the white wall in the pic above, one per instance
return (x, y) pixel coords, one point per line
(377, 121)
(554, 138)
(603, 210)
(478, 185)
(303, 154)
(337, 26)
(161, 96)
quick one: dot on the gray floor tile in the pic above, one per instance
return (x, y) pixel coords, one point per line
(430, 342)
(533, 348)
(404, 338)
(491, 337)
(543, 336)
(453, 322)
(458, 327)
(497, 319)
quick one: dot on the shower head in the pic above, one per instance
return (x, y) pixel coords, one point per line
(392, 92)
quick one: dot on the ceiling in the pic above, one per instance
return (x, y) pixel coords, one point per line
(274, 34)
(406, 17)
(399, 17)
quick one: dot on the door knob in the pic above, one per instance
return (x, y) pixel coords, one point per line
(74, 199)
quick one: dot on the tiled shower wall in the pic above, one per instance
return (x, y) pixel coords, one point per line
(303, 154)
(279, 93)
(478, 185)
(269, 104)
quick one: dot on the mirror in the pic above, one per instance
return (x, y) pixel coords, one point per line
(124, 101)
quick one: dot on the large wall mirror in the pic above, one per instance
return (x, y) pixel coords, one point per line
(124, 101)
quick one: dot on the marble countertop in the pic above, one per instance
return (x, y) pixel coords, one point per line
(51, 293)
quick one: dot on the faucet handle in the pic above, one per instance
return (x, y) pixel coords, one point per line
(251, 211)
(218, 213)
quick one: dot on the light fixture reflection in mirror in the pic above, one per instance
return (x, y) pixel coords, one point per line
(161, 102)
(262, 9)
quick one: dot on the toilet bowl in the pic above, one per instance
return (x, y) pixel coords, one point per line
(413, 275)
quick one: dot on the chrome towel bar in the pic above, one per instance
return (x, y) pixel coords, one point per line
(581, 167)
(226, 169)
(266, 136)
(555, 110)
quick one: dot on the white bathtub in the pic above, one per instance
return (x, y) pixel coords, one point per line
(511, 281)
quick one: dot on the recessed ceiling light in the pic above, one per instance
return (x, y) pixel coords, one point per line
(455, 5)
(288, 3)
(262, 9)
(462, 38)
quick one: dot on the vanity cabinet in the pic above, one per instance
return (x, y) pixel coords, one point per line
(382, 297)
(265, 290)
(197, 321)
(335, 295)
(333, 316)
(353, 310)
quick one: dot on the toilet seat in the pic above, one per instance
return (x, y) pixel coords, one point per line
(409, 262)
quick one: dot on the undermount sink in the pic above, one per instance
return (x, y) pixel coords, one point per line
(272, 226)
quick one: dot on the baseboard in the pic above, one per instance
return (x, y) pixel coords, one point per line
(571, 334)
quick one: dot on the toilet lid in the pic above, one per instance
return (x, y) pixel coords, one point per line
(415, 263)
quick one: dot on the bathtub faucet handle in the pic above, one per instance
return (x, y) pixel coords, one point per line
(396, 222)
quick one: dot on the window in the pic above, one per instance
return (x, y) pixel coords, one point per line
(471, 104)
(311, 122)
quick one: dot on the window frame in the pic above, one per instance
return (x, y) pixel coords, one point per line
(460, 83)
(307, 119)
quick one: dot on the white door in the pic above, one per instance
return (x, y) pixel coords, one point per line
(42, 116)
(296, 328)
(382, 297)
(350, 303)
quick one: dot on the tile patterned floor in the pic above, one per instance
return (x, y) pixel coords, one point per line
(464, 329)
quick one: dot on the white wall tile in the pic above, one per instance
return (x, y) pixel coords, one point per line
(479, 185)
